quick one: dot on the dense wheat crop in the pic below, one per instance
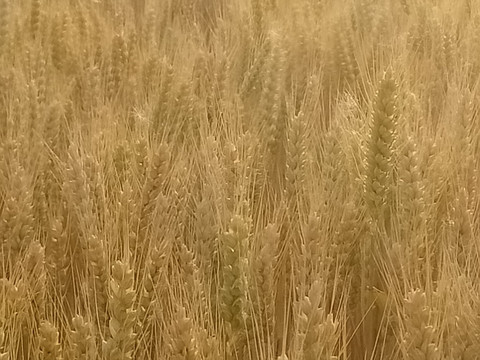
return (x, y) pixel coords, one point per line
(239, 179)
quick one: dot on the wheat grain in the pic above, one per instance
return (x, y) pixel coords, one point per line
(343, 55)
(35, 17)
(419, 340)
(182, 345)
(315, 337)
(265, 264)
(55, 254)
(296, 162)
(83, 340)
(233, 291)
(97, 279)
(121, 343)
(155, 265)
(117, 65)
(151, 194)
(380, 153)
(17, 219)
(49, 346)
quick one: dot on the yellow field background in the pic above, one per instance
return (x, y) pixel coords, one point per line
(239, 179)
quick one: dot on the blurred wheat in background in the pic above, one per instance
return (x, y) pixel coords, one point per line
(239, 179)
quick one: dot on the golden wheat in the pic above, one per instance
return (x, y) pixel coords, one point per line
(280, 179)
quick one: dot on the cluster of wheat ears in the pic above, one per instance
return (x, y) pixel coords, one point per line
(239, 179)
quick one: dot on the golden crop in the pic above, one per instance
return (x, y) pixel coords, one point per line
(239, 179)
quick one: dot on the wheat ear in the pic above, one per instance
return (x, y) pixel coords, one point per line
(121, 344)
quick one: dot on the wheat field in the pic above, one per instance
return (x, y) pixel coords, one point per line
(239, 179)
